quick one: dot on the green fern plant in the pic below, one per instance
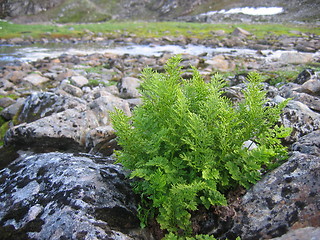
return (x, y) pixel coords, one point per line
(184, 144)
(172, 236)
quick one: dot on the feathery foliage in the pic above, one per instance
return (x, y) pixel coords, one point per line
(184, 144)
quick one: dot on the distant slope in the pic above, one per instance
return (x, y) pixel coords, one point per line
(154, 10)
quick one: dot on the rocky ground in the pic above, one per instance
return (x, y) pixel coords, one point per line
(58, 179)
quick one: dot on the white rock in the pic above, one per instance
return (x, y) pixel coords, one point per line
(35, 79)
(295, 57)
(79, 81)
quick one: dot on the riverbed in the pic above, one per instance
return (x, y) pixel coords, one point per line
(29, 53)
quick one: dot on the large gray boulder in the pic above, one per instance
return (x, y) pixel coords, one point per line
(287, 198)
(42, 104)
(56, 121)
(64, 196)
(64, 130)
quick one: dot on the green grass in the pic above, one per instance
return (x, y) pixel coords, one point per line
(146, 29)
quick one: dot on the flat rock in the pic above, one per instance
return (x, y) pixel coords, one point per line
(311, 86)
(35, 79)
(6, 101)
(64, 130)
(220, 63)
(240, 32)
(296, 58)
(79, 81)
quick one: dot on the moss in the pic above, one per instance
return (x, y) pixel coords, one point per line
(12, 96)
(96, 82)
(3, 129)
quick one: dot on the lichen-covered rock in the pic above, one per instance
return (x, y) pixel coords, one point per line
(286, 198)
(63, 196)
(307, 233)
(301, 119)
(308, 144)
(106, 103)
(64, 130)
(43, 104)
(99, 140)
(306, 93)
(128, 87)
(62, 122)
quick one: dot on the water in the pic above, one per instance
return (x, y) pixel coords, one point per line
(9, 53)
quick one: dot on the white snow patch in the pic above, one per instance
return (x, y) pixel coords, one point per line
(259, 11)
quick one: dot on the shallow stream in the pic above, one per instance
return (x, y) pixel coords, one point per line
(11, 53)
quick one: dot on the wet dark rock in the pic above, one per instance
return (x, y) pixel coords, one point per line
(304, 76)
(7, 155)
(63, 196)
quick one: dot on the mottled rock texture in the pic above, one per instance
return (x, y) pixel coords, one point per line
(64, 196)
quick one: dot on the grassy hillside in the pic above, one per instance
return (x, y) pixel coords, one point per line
(164, 10)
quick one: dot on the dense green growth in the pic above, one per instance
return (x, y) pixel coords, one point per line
(172, 236)
(147, 29)
(185, 143)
